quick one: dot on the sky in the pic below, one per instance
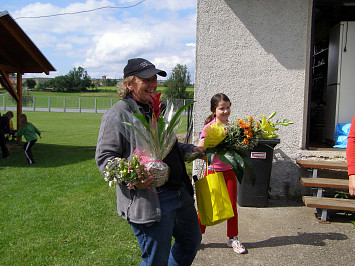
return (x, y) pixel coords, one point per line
(101, 41)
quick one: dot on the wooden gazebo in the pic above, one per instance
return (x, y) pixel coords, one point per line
(18, 54)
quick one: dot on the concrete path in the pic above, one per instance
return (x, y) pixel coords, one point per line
(284, 233)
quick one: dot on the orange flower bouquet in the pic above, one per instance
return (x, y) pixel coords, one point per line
(229, 142)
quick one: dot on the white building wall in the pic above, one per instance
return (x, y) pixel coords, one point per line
(256, 52)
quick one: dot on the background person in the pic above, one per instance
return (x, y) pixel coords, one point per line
(154, 214)
(13, 131)
(221, 108)
(350, 157)
(29, 131)
(5, 130)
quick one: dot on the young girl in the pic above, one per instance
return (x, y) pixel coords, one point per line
(220, 108)
(29, 131)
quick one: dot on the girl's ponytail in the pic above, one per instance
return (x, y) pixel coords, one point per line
(209, 118)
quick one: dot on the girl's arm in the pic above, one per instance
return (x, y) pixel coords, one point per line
(201, 142)
(37, 131)
(19, 132)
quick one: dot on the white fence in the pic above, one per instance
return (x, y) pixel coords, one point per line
(68, 103)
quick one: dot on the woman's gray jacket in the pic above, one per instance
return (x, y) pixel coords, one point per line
(139, 206)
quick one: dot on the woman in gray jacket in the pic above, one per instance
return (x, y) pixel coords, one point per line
(154, 214)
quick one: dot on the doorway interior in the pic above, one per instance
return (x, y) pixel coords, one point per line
(326, 15)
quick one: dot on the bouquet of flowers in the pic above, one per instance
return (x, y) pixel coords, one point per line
(154, 138)
(120, 171)
(228, 143)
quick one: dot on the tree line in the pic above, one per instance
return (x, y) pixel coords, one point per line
(78, 80)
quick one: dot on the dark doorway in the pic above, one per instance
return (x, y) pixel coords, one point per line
(326, 15)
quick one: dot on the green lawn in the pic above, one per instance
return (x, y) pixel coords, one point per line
(60, 211)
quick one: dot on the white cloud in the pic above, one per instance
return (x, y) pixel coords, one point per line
(172, 5)
(103, 41)
(113, 46)
(64, 46)
(77, 39)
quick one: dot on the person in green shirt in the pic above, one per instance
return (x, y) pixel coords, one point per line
(29, 131)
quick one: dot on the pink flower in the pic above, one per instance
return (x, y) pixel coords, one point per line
(130, 186)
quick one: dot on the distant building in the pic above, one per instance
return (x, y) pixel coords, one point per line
(38, 80)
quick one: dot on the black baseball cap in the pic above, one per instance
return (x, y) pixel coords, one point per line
(141, 68)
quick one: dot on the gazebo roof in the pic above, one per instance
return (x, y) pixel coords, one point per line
(18, 54)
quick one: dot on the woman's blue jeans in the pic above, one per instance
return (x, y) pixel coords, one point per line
(178, 220)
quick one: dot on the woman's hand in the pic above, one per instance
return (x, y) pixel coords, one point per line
(145, 183)
(200, 150)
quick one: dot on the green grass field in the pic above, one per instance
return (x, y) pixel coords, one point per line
(60, 211)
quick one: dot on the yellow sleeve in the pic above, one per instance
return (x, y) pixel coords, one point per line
(11, 125)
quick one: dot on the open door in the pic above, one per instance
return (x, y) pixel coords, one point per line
(323, 108)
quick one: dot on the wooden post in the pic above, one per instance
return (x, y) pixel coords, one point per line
(19, 103)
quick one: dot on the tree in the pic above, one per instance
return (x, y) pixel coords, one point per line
(76, 80)
(111, 82)
(59, 83)
(177, 83)
(30, 83)
(40, 86)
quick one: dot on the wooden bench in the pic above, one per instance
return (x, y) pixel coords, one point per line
(322, 164)
(322, 182)
(322, 204)
(313, 166)
(329, 203)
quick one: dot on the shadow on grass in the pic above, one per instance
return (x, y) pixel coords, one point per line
(48, 155)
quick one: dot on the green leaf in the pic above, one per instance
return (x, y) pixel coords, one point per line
(160, 132)
(233, 159)
(139, 115)
(144, 122)
(137, 130)
(241, 162)
(271, 116)
(210, 153)
(249, 166)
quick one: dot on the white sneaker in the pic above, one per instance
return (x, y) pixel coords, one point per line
(236, 245)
